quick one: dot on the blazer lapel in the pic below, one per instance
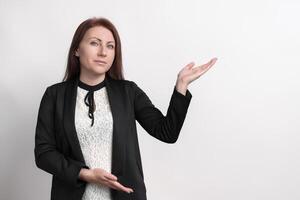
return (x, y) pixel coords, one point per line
(114, 97)
(69, 118)
(118, 146)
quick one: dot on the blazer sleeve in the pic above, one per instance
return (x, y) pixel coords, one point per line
(47, 157)
(164, 128)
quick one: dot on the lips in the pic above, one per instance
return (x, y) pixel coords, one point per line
(100, 61)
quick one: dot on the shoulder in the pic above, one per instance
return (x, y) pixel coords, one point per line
(128, 84)
(55, 88)
(58, 86)
(130, 87)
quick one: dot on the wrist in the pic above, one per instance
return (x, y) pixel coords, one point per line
(181, 87)
(85, 175)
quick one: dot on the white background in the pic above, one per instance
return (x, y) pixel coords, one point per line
(241, 137)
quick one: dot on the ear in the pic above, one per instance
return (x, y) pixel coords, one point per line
(76, 53)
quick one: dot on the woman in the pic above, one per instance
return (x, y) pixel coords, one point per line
(86, 127)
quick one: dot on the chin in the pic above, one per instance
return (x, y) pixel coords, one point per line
(101, 71)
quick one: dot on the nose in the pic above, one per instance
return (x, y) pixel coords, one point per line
(101, 51)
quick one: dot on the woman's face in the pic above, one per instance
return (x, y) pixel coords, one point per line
(96, 51)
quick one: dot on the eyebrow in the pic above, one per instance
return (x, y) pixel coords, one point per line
(99, 39)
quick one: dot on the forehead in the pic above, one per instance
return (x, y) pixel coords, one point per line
(99, 32)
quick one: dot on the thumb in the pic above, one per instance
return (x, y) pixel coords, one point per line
(190, 65)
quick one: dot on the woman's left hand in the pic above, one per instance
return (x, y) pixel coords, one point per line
(188, 74)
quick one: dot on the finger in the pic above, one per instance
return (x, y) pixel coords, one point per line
(110, 176)
(109, 184)
(190, 65)
(206, 66)
(112, 186)
(213, 61)
(201, 70)
(121, 187)
(186, 70)
(116, 187)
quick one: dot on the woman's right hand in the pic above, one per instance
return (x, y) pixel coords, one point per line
(100, 176)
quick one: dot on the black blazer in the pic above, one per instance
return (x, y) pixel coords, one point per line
(57, 149)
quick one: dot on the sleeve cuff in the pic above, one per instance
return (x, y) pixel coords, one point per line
(78, 181)
(181, 102)
(187, 95)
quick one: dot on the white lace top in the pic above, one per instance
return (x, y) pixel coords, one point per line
(95, 141)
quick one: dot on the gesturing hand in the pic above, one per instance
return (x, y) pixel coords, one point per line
(188, 74)
(100, 176)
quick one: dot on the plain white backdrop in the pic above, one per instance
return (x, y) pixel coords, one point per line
(241, 136)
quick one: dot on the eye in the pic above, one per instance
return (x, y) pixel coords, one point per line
(111, 46)
(94, 43)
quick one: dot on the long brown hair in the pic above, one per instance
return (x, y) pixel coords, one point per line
(73, 65)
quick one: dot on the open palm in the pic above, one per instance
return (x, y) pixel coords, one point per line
(188, 74)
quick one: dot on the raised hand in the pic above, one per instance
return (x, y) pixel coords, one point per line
(188, 74)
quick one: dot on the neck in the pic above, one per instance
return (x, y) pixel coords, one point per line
(91, 79)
